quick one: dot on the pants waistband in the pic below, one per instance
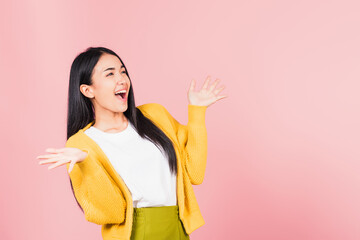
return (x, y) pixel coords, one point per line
(157, 212)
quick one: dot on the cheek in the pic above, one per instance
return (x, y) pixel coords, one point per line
(105, 94)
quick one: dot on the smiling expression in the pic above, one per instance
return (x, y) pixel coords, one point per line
(110, 85)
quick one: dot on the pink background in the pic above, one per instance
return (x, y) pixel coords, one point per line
(283, 158)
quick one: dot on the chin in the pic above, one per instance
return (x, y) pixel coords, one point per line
(123, 108)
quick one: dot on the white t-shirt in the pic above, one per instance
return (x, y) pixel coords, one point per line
(143, 167)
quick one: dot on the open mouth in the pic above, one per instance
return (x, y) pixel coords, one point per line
(122, 95)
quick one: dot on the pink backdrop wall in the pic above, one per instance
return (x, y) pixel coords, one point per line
(283, 159)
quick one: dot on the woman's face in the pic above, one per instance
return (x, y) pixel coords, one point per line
(108, 77)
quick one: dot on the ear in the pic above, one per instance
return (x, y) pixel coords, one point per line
(86, 90)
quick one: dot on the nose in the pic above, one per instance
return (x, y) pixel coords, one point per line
(121, 80)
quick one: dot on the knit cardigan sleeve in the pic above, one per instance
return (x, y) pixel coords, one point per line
(102, 203)
(192, 139)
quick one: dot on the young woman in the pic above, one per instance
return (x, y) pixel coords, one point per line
(132, 168)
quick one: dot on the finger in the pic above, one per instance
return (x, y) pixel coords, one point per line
(55, 159)
(59, 163)
(46, 156)
(217, 91)
(192, 85)
(50, 160)
(55, 150)
(71, 166)
(212, 86)
(206, 83)
(221, 97)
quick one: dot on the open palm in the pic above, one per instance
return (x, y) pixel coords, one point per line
(207, 94)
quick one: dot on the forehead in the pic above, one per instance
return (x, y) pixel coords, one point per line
(106, 61)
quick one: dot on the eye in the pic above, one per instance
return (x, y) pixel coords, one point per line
(109, 74)
(123, 72)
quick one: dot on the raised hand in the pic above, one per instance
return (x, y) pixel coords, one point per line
(63, 156)
(207, 95)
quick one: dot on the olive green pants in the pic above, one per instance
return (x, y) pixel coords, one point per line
(158, 223)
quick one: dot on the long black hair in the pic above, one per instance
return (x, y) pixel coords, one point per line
(81, 111)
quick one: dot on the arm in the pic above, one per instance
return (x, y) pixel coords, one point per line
(100, 199)
(192, 137)
(193, 141)
(195, 137)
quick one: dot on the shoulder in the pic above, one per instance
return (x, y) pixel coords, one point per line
(77, 140)
(74, 141)
(158, 113)
(80, 141)
(149, 107)
(154, 110)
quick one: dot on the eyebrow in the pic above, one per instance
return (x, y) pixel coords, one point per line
(112, 68)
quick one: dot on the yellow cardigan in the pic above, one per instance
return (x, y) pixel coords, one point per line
(102, 193)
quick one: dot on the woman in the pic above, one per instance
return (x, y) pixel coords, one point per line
(132, 168)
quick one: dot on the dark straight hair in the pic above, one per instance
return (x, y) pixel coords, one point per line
(81, 111)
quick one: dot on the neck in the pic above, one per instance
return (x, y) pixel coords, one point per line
(111, 122)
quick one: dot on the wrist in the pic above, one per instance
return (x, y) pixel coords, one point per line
(196, 114)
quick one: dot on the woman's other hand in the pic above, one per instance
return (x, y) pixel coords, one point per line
(207, 95)
(62, 156)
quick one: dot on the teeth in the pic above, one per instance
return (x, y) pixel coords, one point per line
(122, 91)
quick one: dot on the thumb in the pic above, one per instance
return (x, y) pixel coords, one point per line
(192, 85)
(71, 167)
